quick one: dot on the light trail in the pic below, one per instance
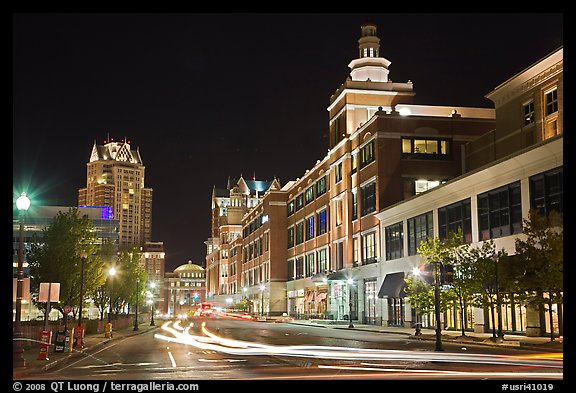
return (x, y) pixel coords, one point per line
(214, 342)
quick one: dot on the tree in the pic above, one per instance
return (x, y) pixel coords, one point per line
(540, 253)
(56, 258)
(129, 269)
(452, 254)
(487, 279)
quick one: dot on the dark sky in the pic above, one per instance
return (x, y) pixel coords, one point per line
(207, 96)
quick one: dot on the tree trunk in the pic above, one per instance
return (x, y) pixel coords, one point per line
(463, 317)
(551, 317)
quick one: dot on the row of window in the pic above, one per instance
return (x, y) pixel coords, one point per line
(307, 229)
(550, 105)
(314, 191)
(499, 214)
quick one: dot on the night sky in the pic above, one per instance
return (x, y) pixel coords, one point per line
(208, 96)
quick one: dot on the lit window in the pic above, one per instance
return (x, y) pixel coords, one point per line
(551, 102)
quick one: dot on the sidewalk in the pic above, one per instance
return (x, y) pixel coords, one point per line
(510, 340)
(91, 343)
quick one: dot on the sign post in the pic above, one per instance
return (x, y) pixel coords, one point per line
(49, 292)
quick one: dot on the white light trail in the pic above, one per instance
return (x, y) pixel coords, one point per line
(243, 348)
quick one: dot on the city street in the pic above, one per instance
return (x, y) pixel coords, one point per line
(225, 349)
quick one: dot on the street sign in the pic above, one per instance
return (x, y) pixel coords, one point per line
(49, 288)
(67, 309)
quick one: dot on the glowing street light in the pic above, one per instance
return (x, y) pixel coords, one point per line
(151, 302)
(350, 282)
(22, 203)
(262, 287)
(111, 273)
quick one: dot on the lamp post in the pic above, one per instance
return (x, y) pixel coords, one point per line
(22, 203)
(437, 266)
(262, 287)
(500, 334)
(111, 273)
(350, 282)
(151, 302)
(417, 324)
(79, 333)
(137, 301)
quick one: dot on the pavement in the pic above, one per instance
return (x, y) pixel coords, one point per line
(91, 343)
(94, 341)
(515, 341)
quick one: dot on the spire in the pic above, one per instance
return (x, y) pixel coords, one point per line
(369, 66)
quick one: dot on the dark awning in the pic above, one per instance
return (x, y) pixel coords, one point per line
(393, 285)
(340, 275)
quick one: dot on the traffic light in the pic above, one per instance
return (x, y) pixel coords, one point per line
(446, 274)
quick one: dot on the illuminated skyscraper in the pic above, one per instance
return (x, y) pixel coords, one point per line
(115, 178)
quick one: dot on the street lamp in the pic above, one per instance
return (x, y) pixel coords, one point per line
(151, 302)
(262, 287)
(137, 301)
(350, 282)
(79, 330)
(22, 203)
(500, 334)
(437, 267)
(111, 273)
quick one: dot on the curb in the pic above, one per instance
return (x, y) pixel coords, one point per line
(19, 373)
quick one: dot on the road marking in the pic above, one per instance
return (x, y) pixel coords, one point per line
(172, 359)
(222, 360)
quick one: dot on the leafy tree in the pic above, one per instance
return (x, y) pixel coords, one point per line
(56, 258)
(129, 269)
(451, 252)
(487, 279)
(100, 296)
(540, 253)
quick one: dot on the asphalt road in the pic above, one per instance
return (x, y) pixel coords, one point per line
(249, 350)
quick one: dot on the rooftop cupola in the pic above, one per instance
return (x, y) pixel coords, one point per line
(369, 66)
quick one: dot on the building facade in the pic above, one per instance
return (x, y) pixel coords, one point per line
(115, 178)
(517, 167)
(183, 289)
(395, 173)
(39, 218)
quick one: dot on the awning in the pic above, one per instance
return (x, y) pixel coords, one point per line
(340, 275)
(393, 285)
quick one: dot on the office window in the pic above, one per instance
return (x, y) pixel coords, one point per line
(368, 195)
(310, 268)
(299, 202)
(367, 154)
(454, 216)
(436, 148)
(322, 261)
(290, 237)
(369, 248)
(354, 163)
(339, 211)
(309, 194)
(528, 112)
(309, 227)
(547, 192)
(291, 270)
(322, 222)
(290, 207)
(420, 228)
(393, 236)
(551, 99)
(299, 232)
(500, 212)
(299, 267)
(321, 186)
(338, 172)
(354, 204)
